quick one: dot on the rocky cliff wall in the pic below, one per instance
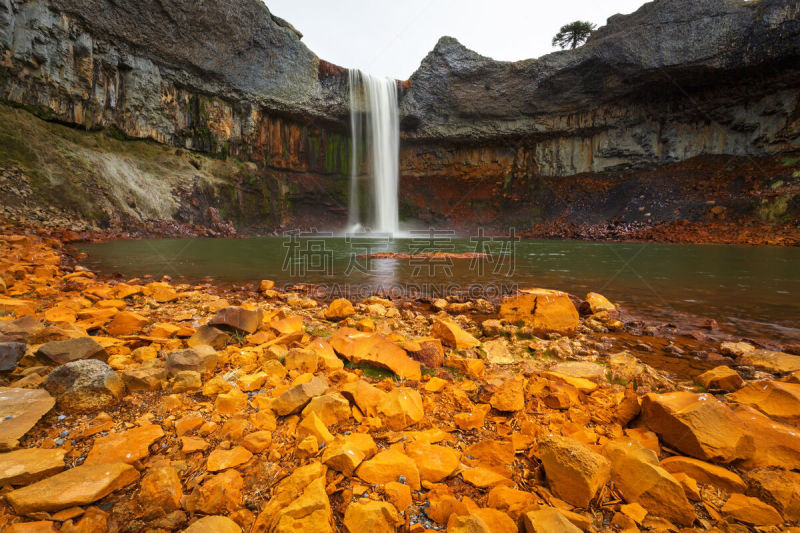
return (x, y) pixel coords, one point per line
(222, 78)
(676, 80)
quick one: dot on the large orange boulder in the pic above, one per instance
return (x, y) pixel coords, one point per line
(375, 350)
(544, 310)
(575, 473)
(637, 475)
(698, 425)
(776, 399)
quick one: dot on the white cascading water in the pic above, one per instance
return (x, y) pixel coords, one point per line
(383, 135)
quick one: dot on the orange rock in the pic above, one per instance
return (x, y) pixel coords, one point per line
(213, 524)
(77, 486)
(451, 334)
(512, 501)
(160, 492)
(231, 403)
(313, 425)
(474, 419)
(484, 478)
(258, 441)
(548, 520)
(339, 309)
(221, 493)
(434, 463)
(332, 408)
(699, 425)
(27, 465)
(288, 325)
(402, 407)
(497, 455)
(346, 452)
(639, 478)
(598, 303)
(372, 516)
(299, 503)
(575, 473)
(543, 310)
(193, 444)
(125, 447)
(705, 473)
(779, 488)
(398, 494)
(509, 396)
(720, 378)
(40, 526)
(221, 459)
(375, 350)
(390, 465)
(776, 399)
(751, 511)
(770, 443)
(301, 360)
(238, 318)
(126, 323)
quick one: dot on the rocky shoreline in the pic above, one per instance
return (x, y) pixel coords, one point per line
(150, 405)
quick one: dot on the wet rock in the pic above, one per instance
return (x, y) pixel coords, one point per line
(221, 459)
(699, 425)
(637, 475)
(22, 467)
(10, 355)
(201, 358)
(372, 516)
(775, 362)
(160, 492)
(451, 334)
(390, 465)
(238, 318)
(750, 511)
(778, 400)
(779, 488)
(402, 407)
(209, 336)
(548, 520)
(705, 473)
(124, 447)
(434, 463)
(575, 473)
(720, 378)
(597, 303)
(339, 309)
(77, 486)
(20, 409)
(126, 323)
(543, 310)
(213, 524)
(85, 386)
(294, 399)
(221, 493)
(509, 396)
(63, 352)
(299, 503)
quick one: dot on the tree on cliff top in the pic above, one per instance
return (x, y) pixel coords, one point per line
(573, 34)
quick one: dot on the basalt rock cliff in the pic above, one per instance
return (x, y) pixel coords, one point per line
(683, 110)
(624, 128)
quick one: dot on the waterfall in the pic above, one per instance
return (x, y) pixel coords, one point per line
(378, 98)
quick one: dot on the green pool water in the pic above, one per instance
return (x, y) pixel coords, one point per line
(749, 290)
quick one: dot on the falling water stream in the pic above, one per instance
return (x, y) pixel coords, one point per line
(373, 103)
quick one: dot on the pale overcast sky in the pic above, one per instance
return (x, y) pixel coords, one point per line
(390, 38)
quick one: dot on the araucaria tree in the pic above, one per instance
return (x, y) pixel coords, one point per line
(574, 34)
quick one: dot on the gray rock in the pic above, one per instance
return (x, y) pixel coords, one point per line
(85, 386)
(63, 352)
(200, 359)
(10, 354)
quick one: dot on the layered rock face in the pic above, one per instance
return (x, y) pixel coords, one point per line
(675, 80)
(224, 78)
